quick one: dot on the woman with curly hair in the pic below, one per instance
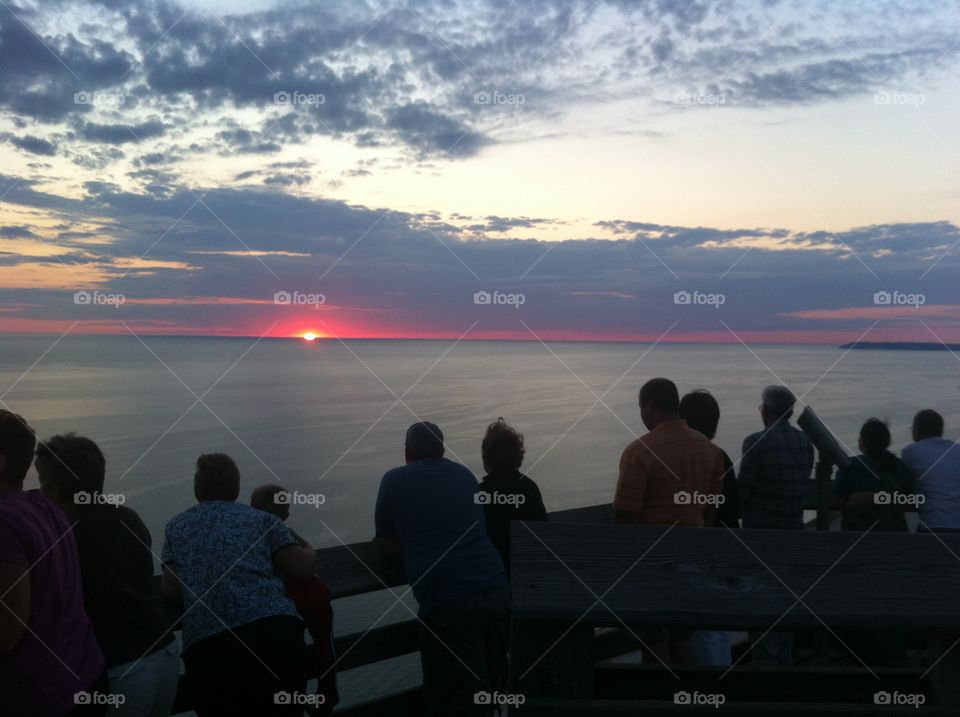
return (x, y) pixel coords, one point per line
(505, 492)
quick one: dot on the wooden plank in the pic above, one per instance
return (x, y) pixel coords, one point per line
(709, 578)
(358, 568)
(605, 708)
(409, 703)
(552, 661)
(758, 684)
(382, 643)
(944, 657)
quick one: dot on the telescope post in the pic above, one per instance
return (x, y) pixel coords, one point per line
(824, 473)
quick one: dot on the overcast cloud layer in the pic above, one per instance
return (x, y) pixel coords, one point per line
(111, 112)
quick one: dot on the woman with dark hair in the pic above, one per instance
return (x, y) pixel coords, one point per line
(116, 566)
(505, 492)
(702, 413)
(225, 562)
(875, 490)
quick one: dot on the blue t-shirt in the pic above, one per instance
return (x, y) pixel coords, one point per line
(430, 507)
(223, 554)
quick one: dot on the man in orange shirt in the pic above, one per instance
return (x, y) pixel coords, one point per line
(673, 475)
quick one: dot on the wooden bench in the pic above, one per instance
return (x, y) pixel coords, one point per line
(568, 580)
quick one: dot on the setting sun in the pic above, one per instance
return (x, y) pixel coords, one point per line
(310, 336)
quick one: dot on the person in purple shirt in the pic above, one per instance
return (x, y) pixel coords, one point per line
(50, 663)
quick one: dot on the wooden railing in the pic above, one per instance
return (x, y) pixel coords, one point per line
(361, 568)
(568, 580)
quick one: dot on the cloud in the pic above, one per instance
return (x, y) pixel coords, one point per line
(34, 145)
(249, 243)
(16, 232)
(121, 133)
(42, 71)
(380, 75)
(433, 133)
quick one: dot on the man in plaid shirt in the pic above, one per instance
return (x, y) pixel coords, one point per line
(774, 473)
(776, 466)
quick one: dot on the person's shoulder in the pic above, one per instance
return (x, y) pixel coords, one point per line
(799, 435)
(639, 445)
(12, 508)
(248, 512)
(756, 437)
(191, 514)
(445, 465)
(857, 464)
(107, 514)
(398, 473)
(528, 484)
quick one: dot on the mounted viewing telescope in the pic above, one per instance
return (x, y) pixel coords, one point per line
(828, 448)
(829, 454)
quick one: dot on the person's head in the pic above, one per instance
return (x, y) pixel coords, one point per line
(701, 412)
(927, 424)
(17, 442)
(874, 437)
(502, 448)
(217, 478)
(69, 464)
(424, 441)
(776, 404)
(264, 497)
(659, 402)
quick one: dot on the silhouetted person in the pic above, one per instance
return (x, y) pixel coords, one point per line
(669, 476)
(427, 513)
(775, 471)
(225, 563)
(875, 489)
(505, 493)
(934, 463)
(48, 651)
(116, 564)
(874, 492)
(775, 466)
(702, 413)
(311, 597)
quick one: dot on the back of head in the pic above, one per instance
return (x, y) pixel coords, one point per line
(778, 402)
(502, 448)
(264, 497)
(17, 443)
(875, 437)
(424, 441)
(661, 394)
(701, 412)
(927, 424)
(217, 478)
(875, 440)
(69, 464)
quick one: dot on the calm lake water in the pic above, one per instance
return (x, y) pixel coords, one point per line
(327, 418)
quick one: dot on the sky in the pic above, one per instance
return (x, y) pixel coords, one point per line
(766, 171)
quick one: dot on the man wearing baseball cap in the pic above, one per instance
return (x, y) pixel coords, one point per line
(427, 513)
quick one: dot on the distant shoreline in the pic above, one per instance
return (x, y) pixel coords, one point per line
(900, 346)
